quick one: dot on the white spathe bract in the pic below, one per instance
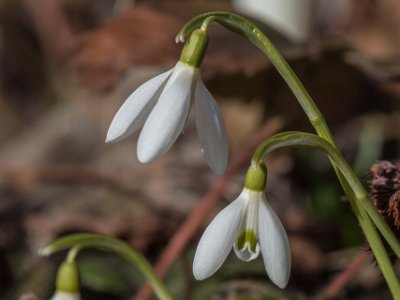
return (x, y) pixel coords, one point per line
(59, 295)
(250, 225)
(161, 105)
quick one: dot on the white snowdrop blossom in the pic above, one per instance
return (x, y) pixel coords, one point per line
(161, 106)
(59, 295)
(250, 226)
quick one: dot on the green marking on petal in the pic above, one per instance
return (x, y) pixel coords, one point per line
(247, 237)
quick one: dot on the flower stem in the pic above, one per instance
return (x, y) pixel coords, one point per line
(253, 34)
(293, 138)
(73, 252)
(206, 22)
(112, 245)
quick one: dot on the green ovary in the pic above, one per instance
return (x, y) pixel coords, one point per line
(247, 237)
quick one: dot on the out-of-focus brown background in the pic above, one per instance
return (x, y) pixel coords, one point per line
(65, 68)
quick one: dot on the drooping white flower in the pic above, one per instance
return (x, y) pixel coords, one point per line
(161, 105)
(250, 226)
(59, 295)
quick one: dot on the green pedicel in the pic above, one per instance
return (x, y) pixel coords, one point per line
(68, 278)
(195, 48)
(256, 177)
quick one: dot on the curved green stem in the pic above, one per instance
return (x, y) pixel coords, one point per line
(204, 24)
(253, 34)
(294, 138)
(73, 252)
(112, 245)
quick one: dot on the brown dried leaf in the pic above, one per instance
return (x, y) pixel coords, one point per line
(139, 36)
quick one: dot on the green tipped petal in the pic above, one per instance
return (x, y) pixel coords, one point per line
(248, 237)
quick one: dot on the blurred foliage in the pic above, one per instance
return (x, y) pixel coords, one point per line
(56, 112)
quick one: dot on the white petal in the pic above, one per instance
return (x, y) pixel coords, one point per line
(248, 233)
(211, 129)
(168, 116)
(274, 245)
(58, 295)
(136, 108)
(246, 254)
(217, 240)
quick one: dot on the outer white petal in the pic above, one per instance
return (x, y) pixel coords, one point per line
(168, 116)
(274, 245)
(136, 108)
(217, 240)
(211, 129)
(58, 295)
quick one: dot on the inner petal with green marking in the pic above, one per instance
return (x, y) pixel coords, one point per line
(246, 245)
(248, 237)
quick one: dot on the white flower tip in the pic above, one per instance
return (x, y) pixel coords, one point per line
(147, 153)
(281, 278)
(205, 263)
(144, 158)
(281, 281)
(200, 273)
(112, 138)
(114, 133)
(219, 167)
(246, 254)
(217, 161)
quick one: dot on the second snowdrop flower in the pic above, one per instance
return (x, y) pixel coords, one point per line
(250, 226)
(161, 105)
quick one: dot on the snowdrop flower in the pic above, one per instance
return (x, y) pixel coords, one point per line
(250, 226)
(67, 282)
(161, 105)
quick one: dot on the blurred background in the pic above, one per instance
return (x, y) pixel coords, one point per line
(67, 65)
